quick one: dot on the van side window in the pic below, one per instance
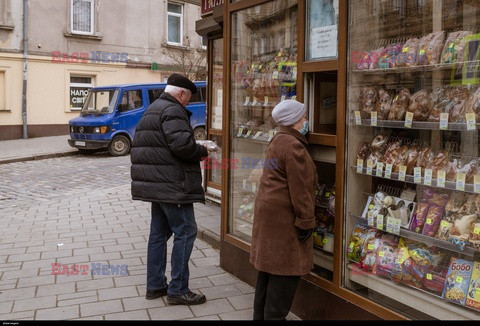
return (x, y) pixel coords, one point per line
(131, 100)
(198, 96)
(154, 94)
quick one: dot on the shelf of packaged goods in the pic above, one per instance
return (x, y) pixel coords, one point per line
(449, 185)
(414, 69)
(322, 258)
(416, 125)
(469, 252)
(416, 298)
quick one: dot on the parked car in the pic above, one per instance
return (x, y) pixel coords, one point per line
(111, 113)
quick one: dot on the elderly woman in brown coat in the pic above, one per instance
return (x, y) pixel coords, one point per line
(282, 246)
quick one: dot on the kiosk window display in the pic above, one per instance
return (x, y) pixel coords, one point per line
(412, 214)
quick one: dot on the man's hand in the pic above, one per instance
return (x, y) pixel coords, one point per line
(304, 235)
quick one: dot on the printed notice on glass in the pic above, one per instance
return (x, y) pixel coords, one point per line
(443, 121)
(379, 169)
(471, 123)
(388, 170)
(373, 118)
(427, 178)
(359, 166)
(441, 175)
(417, 174)
(369, 167)
(402, 173)
(358, 118)
(380, 221)
(460, 181)
(323, 41)
(476, 183)
(408, 120)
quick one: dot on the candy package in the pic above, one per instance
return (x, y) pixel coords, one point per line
(357, 240)
(432, 220)
(369, 250)
(385, 258)
(473, 296)
(418, 219)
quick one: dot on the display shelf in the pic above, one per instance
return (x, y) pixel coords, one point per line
(262, 139)
(449, 185)
(322, 258)
(414, 69)
(416, 125)
(416, 298)
(407, 234)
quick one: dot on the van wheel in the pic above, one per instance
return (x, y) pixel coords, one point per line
(119, 146)
(200, 133)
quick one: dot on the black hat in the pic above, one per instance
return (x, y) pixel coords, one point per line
(182, 81)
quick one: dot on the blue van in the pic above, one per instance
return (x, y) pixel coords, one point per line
(111, 113)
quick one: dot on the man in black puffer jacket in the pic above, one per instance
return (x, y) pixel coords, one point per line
(166, 172)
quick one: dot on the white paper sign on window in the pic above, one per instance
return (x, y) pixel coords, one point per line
(323, 41)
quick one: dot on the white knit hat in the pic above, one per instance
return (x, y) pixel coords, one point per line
(288, 112)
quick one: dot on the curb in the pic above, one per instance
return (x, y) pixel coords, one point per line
(209, 237)
(38, 157)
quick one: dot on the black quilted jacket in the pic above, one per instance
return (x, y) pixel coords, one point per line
(165, 158)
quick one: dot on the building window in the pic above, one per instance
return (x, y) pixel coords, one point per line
(2, 91)
(174, 23)
(82, 16)
(79, 87)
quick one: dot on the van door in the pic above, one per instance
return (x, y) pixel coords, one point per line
(199, 115)
(129, 111)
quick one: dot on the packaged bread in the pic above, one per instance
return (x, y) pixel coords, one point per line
(451, 173)
(408, 56)
(470, 169)
(461, 227)
(457, 97)
(454, 47)
(379, 142)
(383, 104)
(375, 157)
(456, 201)
(364, 152)
(473, 104)
(432, 221)
(469, 206)
(439, 102)
(412, 157)
(430, 48)
(438, 163)
(443, 231)
(401, 158)
(424, 158)
(399, 105)
(474, 235)
(368, 99)
(420, 105)
(391, 153)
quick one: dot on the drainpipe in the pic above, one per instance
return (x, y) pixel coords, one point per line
(25, 57)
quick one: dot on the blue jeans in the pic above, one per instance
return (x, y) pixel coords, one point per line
(168, 219)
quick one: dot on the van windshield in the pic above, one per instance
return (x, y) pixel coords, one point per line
(100, 102)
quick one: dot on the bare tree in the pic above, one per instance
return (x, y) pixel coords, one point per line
(189, 61)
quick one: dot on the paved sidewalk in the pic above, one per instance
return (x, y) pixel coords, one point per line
(20, 150)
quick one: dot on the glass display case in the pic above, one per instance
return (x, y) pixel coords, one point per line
(411, 224)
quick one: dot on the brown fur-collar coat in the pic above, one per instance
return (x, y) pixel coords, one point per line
(285, 202)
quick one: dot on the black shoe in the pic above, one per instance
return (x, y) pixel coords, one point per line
(153, 294)
(189, 298)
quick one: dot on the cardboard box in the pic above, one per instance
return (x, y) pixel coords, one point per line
(473, 296)
(457, 281)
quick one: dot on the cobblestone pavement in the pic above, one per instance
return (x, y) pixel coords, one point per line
(78, 210)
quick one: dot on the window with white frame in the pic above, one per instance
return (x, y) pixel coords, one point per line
(82, 16)
(174, 23)
(79, 88)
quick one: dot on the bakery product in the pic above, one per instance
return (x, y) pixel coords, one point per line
(399, 105)
(421, 104)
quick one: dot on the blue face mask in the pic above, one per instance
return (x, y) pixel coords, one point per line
(304, 130)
